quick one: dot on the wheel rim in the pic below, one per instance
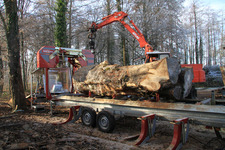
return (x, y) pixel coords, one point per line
(87, 118)
(104, 122)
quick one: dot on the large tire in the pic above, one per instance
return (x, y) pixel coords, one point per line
(88, 117)
(105, 122)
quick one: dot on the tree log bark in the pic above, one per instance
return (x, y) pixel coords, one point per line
(172, 93)
(182, 88)
(111, 80)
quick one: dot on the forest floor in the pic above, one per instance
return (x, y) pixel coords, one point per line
(35, 130)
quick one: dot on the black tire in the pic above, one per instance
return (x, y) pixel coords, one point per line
(105, 122)
(88, 117)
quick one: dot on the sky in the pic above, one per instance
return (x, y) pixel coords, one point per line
(214, 4)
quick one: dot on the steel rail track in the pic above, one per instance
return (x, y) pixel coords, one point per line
(209, 115)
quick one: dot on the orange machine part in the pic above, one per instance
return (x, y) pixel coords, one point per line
(199, 74)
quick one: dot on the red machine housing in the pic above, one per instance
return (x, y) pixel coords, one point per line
(47, 63)
(43, 60)
(90, 58)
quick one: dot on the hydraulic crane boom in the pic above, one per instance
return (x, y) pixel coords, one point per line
(133, 29)
(120, 17)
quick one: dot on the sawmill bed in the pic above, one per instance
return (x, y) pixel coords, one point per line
(209, 115)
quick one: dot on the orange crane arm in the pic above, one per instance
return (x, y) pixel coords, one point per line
(120, 17)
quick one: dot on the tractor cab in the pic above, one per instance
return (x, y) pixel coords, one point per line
(156, 55)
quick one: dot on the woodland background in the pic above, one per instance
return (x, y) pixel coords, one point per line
(193, 33)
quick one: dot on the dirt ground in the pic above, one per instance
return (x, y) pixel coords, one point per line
(34, 130)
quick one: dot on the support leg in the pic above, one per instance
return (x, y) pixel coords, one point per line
(73, 115)
(180, 134)
(147, 128)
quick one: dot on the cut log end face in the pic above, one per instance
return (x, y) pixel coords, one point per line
(187, 76)
(108, 80)
(174, 69)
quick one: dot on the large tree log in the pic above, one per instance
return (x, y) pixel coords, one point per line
(185, 78)
(175, 92)
(108, 80)
(182, 88)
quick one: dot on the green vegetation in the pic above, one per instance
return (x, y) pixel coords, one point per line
(60, 29)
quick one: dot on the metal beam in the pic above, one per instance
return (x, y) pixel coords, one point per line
(198, 114)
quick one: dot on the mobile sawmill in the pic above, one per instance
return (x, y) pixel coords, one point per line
(57, 65)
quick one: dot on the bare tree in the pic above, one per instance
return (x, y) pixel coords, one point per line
(209, 62)
(70, 23)
(1, 73)
(201, 49)
(196, 33)
(12, 35)
(124, 51)
(222, 41)
(110, 52)
(22, 6)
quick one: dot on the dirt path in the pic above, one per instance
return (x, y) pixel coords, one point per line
(30, 130)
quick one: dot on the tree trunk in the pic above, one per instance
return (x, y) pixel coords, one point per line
(70, 24)
(1, 73)
(110, 80)
(185, 54)
(21, 6)
(209, 49)
(109, 35)
(185, 79)
(214, 49)
(196, 36)
(60, 31)
(191, 44)
(172, 93)
(23, 61)
(201, 49)
(18, 96)
(182, 89)
(221, 43)
(125, 53)
(145, 30)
